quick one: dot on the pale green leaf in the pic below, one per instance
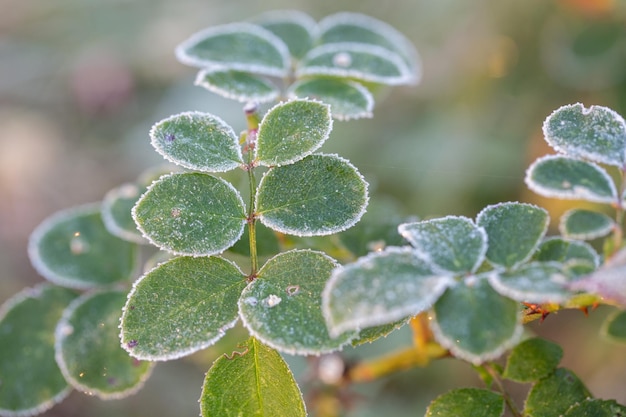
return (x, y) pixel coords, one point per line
(191, 214)
(73, 248)
(116, 212)
(533, 283)
(198, 141)
(570, 179)
(180, 307)
(533, 359)
(292, 130)
(347, 99)
(88, 350)
(462, 325)
(381, 288)
(565, 250)
(236, 46)
(596, 133)
(596, 408)
(467, 402)
(293, 27)
(585, 224)
(453, 243)
(554, 395)
(253, 381)
(319, 195)
(513, 231)
(237, 85)
(282, 307)
(30, 379)
(614, 327)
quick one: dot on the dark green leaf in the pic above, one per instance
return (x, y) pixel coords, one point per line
(116, 212)
(533, 283)
(554, 395)
(564, 250)
(614, 327)
(596, 408)
(237, 85)
(532, 360)
(180, 307)
(467, 402)
(253, 381)
(585, 224)
(293, 27)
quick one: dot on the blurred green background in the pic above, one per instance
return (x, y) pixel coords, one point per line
(82, 81)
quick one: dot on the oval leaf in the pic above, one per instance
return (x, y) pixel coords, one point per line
(116, 212)
(282, 307)
(596, 408)
(467, 402)
(532, 360)
(380, 288)
(533, 283)
(348, 99)
(460, 323)
(319, 195)
(554, 395)
(88, 351)
(292, 130)
(571, 179)
(73, 248)
(191, 214)
(180, 307)
(513, 231)
(252, 381)
(31, 379)
(597, 133)
(237, 46)
(585, 224)
(614, 327)
(198, 141)
(293, 27)
(452, 243)
(237, 85)
(564, 250)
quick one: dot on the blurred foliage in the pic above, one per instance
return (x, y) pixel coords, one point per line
(82, 81)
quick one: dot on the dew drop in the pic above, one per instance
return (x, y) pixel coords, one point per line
(342, 59)
(82, 374)
(175, 212)
(272, 300)
(78, 245)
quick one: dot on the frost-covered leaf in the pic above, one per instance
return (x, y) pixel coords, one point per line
(585, 224)
(253, 381)
(570, 179)
(467, 402)
(237, 85)
(348, 99)
(554, 395)
(513, 231)
(180, 307)
(607, 281)
(596, 408)
(191, 214)
(293, 27)
(282, 307)
(532, 360)
(73, 248)
(236, 46)
(319, 195)
(30, 380)
(452, 243)
(359, 28)
(292, 130)
(116, 212)
(198, 141)
(614, 327)
(596, 133)
(462, 325)
(381, 288)
(563, 251)
(372, 334)
(533, 283)
(369, 63)
(88, 350)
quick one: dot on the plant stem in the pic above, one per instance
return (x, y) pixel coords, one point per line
(505, 394)
(252, 119)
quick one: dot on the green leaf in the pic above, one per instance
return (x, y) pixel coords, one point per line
(513, 231)
(88, 351)
(596, 408)
(467, 402)
(597, 133)
(372, 334)
(614, 327)
(73, 248)
(607, 281)
(533, 283)
(198, 141)
(180, 307)
(554, 395)
(319, 195)
(475, 322)
(237, 85)
(116, 212)
(191, 214)
(282, 309)
(452, 243)
(532, 360)
(564, 250)
(293, 27)
(381, 288)
(253, 381)
(348, 99)
(31, 381)
(570, 179)
(236, 46)
(292, 130)
(585, 224)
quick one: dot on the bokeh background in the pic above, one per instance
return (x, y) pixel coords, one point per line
(82, 81)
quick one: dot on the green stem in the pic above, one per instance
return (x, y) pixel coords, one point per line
(252, 119)
(505, 394)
